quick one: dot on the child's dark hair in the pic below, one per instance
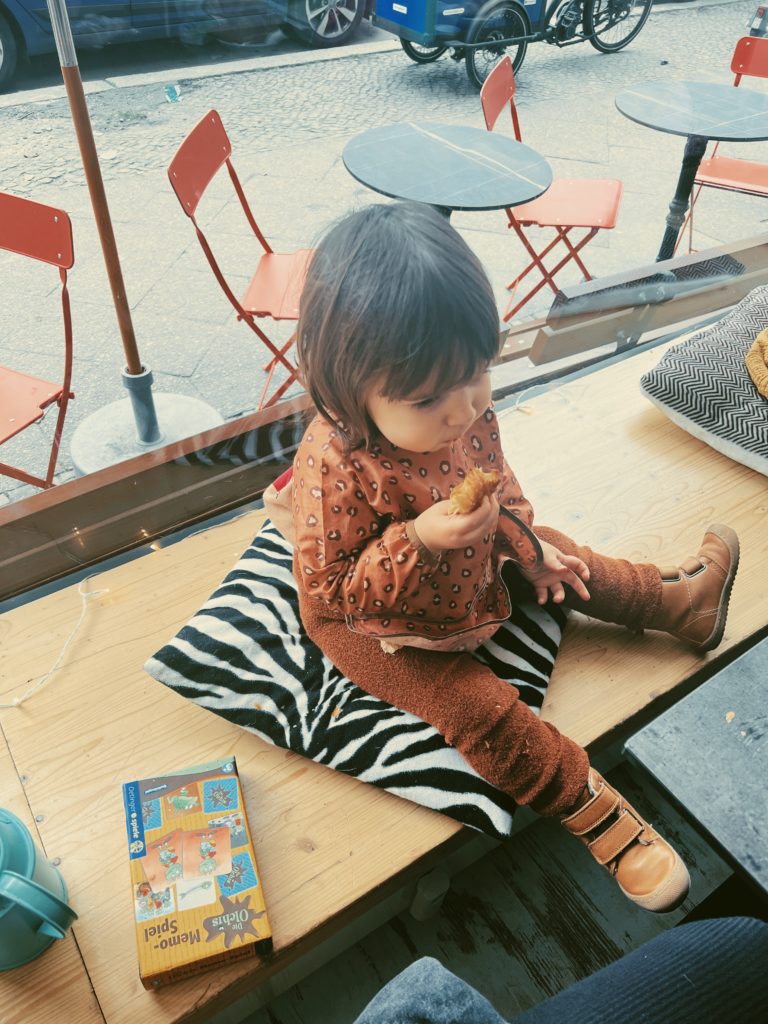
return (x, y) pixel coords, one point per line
(393, 293)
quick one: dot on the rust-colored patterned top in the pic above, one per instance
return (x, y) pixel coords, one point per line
(357, 551)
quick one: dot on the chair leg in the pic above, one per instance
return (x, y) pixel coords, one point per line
(688, 222)
(574, 250)
(278, 394)
(63, 403)
(536, 258)
(19, 474)
(270, 365)
(276, 352)
(547, 275)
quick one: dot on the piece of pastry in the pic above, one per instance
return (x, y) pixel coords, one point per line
(469, 494)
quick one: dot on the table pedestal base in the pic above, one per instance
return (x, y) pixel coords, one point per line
(695, 148)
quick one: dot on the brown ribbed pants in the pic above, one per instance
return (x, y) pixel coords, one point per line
(478, 713)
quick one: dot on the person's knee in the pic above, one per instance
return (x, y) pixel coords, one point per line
(428, 993)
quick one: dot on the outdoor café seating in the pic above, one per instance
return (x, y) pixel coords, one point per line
(567, 205)
(45, 234)
(149, 616)
(274, 289)
(720, 171)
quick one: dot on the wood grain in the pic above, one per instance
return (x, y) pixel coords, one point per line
(602, 464)
(596, 460)
(101, 721)
(58, 976)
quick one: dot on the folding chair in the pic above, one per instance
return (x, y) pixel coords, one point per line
(275, 287)
(41, 233)
(567, 205)
(725, 172)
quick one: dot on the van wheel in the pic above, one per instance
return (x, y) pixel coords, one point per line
(9, 53)
(323, 23)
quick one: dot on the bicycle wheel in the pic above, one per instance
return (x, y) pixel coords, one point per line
(422, 54)
(493, 22)
(611, 24)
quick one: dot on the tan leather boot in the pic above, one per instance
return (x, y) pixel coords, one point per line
(694, 595)
(647, 869)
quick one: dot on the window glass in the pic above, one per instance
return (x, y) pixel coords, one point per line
(293, 81)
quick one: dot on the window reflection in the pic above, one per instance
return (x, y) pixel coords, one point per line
(289, 109)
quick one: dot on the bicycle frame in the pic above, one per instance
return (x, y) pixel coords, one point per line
(542, 31)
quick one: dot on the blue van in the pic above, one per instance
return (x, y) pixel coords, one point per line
(25, 25)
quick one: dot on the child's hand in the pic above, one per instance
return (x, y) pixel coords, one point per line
(555, 570)
(440, 527)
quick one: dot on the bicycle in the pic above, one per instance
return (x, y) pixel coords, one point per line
(480, 34)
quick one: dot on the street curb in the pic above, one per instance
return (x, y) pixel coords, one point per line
(51, 93)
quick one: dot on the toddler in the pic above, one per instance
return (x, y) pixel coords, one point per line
(398, 329)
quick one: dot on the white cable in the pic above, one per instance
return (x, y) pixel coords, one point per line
(18, 701)
(37, 686)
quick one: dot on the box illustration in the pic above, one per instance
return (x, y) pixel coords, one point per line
(197, 896)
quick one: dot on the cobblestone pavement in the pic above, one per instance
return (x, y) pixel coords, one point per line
(288, 126)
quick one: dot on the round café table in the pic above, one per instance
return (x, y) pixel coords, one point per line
(451, 167)
(701, 111)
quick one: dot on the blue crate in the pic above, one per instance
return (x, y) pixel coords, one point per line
(433, 21)
(425, 21)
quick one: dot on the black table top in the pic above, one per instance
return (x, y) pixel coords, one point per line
(453, 166)
(709, 110)
(710, 751)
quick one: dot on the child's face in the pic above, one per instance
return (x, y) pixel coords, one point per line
(426, 422)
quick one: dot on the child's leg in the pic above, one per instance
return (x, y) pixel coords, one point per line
(690, 601)
(477, 713)
(501, 738)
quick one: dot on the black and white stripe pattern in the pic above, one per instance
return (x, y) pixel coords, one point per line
(245, 656)
(703, 385)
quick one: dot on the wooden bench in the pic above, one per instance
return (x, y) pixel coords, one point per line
(337, 857)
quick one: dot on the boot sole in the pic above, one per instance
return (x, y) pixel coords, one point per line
(731, 541)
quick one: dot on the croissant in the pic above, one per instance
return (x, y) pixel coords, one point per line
(468, 495)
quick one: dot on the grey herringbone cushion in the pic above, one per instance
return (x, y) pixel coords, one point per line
(703, 385)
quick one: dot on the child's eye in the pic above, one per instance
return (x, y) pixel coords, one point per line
(425, 403)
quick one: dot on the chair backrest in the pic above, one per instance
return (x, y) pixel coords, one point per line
(40, 232)
(497, 92)
(198, 159)
(750, 58)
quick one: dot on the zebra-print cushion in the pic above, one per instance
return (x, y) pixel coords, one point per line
(703, 385)
(245, 656)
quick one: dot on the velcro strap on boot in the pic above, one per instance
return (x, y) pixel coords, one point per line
(593, 813)
(616, 838)
(669, 573)
(692, 565)
(672, 573)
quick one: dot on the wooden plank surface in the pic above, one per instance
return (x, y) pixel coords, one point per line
(606, 467)
(57, 978)
(597, 461)
(325, 842)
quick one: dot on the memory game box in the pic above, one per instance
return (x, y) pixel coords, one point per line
(195, 889)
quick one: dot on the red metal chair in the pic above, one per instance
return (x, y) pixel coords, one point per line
(726, 172)
(275, 287)
(568, 204)
(41, 233)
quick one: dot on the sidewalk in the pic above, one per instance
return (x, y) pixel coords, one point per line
(288, 122)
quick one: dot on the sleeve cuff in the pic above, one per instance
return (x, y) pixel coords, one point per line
(428, 557)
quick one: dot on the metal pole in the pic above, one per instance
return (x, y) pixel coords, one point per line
(145, 415)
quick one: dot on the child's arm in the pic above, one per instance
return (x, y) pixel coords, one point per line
(351, 557)
(516, 520)
(551, 570)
